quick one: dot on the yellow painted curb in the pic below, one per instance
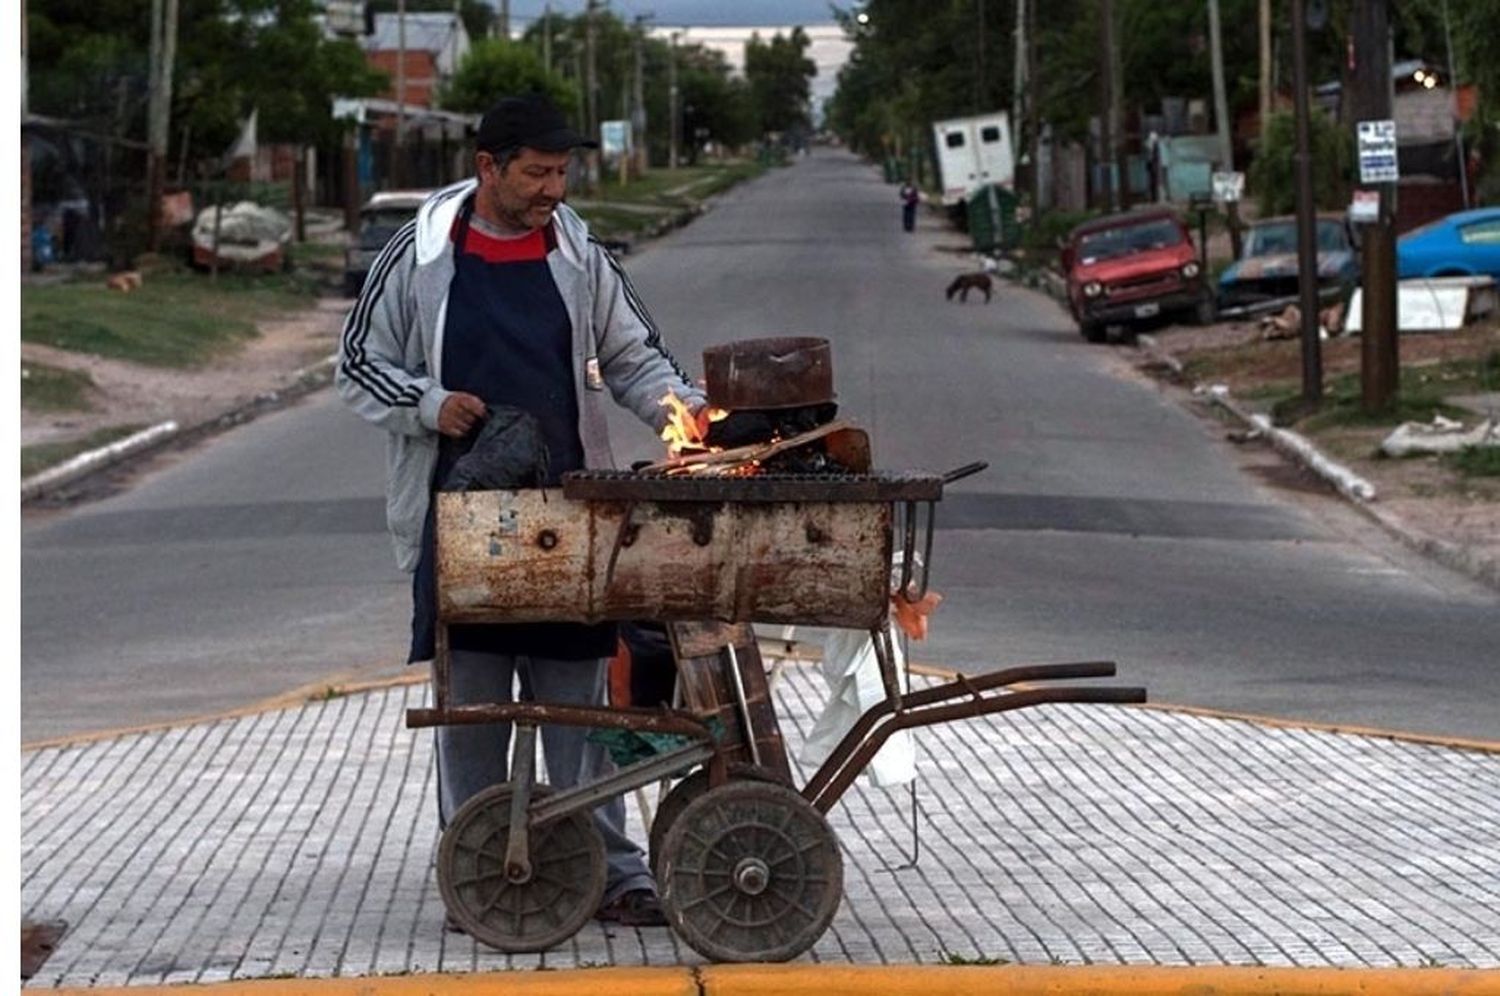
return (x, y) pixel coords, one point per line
(570, 982)
(1069, 980)
(874, 980)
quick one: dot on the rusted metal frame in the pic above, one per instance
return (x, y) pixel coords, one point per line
(522, 776)
(626, 779)
(963, 685)
(649, 720)
(885, 657)
(442, 668)
(757, 488)
(824, 800)
(908, 544)
(737, 681)
(623, 538)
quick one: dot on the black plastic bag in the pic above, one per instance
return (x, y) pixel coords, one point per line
(506, 452)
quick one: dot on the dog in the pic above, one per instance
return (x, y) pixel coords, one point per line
(965, 282)
(124, 282)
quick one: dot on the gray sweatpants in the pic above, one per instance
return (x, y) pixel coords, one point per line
(472, 758)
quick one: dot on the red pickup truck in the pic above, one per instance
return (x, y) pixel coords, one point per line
(1128, 269)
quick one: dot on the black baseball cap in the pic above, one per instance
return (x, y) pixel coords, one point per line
(531, 120)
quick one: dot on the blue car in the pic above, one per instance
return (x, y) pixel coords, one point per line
(1462, 244)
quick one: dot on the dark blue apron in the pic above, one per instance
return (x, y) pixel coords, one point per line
(509, 341)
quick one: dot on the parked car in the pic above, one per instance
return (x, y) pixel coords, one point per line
(1466, 244)
(380, 218)
(1264, 278)
(1124, 269)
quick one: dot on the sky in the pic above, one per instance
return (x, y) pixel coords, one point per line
(725, 26)
(694, 13)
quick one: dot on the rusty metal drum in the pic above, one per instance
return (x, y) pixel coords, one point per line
(534, 556)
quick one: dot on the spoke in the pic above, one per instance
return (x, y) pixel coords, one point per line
(708, 896)
(553, 859)
(518, 913)
(561, 883)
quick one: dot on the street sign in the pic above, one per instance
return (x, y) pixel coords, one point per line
(1364, 209)
(1377, 151)
(1228, 187)
(614, 137)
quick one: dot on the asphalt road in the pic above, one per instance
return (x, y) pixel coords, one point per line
(1112, 523)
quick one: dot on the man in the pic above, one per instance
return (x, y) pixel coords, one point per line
(910, 198)
(496, 294)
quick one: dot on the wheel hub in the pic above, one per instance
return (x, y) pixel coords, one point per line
(751, 876)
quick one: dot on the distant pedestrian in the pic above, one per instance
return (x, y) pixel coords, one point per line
(910, 198)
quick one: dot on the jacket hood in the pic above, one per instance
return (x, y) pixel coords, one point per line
(437, 214)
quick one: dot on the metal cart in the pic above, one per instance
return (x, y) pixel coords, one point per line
(748, 866)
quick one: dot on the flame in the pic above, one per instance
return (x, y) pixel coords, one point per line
(685, 431)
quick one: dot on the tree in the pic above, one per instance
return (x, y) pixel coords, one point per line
(495, 67)
(780, 73)
(1272, 174)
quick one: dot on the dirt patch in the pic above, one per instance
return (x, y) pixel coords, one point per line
(1426, 493)
(133, 394)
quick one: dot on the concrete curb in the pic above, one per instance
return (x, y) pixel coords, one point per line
(1359, 492)
(875, 980)
(84, 465)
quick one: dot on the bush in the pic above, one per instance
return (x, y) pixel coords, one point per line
(1273, 176)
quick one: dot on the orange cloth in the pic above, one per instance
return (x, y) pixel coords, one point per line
(912, 616)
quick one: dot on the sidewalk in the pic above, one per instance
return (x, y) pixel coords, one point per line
(299, 843)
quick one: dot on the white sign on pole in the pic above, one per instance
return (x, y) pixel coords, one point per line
(1228, 187)
(1365, 207)
(1377, 151)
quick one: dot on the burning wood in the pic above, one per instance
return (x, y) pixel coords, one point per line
(686, 431)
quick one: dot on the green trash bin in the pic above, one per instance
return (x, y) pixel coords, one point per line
(992, 218)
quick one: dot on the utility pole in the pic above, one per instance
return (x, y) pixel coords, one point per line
(981, 87)
(1018, 84)
(1458, 125)
(400, 157)
(1265, 66)
(1370, 100)
(638, 96)
(159, 122)
(547, 35)
(591, 90)
(1034, 110)
(675, 125)
(1107, 100)
(502, 21)
(1221, 101)
(1307, 254)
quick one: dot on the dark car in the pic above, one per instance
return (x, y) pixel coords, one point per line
(1125, 269)
(380, 218)
(1264, 278)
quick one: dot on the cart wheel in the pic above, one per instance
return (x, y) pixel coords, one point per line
(750, 871)
(562, 893)
(684, 792)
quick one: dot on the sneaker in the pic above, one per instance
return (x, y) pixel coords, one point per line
(635, 908)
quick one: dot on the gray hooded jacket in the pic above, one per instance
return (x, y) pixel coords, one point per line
(390, 363)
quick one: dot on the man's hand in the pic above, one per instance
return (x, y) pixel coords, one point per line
(459, 414)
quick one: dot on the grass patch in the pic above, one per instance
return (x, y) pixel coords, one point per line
(677, 186)
(1475, 461)
(177, 319)
(952, 958)
(1420, 397)
(37, 458)
(53, 389)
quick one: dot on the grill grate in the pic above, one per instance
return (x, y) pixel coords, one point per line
(623, 485)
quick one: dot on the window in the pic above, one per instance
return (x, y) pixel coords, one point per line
(1481, 233)
(954, 140)
(989, 133)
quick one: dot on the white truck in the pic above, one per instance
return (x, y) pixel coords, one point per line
(973, 152)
